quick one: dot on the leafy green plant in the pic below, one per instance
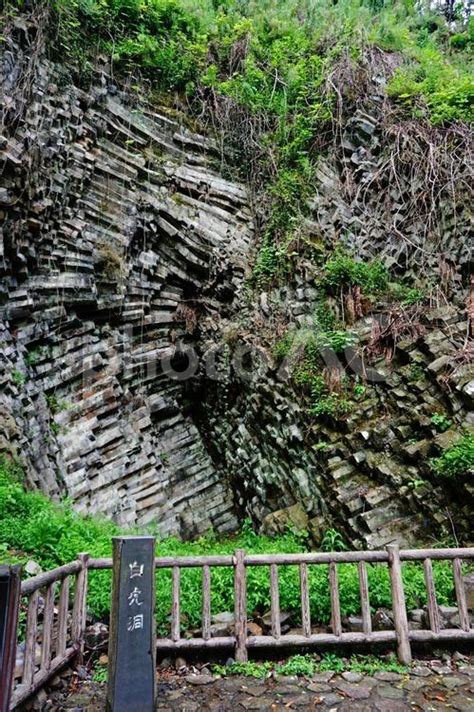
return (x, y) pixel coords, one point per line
(258, 670)
(56, 405)
(282, 348)
(441, 422)
(100, 672)
(301, 665)
(309, 664)
(331, 662)
(19, 378)
(416, 372)
(415, 484)
(343, 271)
(55, 428)
(333, 541)
(407, 295)
(332, 405)
(338, 340)
(456, 460)
(272, 260)
(32, 357)
(371, 664)
(447, 89)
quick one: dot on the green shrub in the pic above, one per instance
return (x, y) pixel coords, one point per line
(446, 89)
(343, 271)
(441, 422)
(457, 460)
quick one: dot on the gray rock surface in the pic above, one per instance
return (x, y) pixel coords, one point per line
(121, 246)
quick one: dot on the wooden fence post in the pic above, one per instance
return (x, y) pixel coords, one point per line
(132, 644)
(10, 586)
(304, 593)
(240, 607)
(364, 598)
(398, 605)
(206, 602)
(433, 611)
(461, 595)
(275, 599)
(79, 610)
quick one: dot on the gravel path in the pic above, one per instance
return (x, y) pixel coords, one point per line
(427, 687)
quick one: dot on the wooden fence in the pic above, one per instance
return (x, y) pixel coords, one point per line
(40, 666)
(61, 630)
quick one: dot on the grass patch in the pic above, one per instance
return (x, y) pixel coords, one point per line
(309, 665)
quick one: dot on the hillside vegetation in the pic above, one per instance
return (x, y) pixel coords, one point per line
(275, 56)
(280, 78)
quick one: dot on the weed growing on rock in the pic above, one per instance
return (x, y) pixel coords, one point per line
(301, 665)
(100, 672)
(309, 665)
(258, 670)
(333, 541)
(457, 460)
(441, 422)
(19, 378)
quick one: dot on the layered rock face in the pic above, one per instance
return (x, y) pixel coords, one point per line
(117, 232)
(367, 475)
(123, 263)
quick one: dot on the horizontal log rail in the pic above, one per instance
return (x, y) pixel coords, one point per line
(62, 628)
(43, 580)
(338, 557)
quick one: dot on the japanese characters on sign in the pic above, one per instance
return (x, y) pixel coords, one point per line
(135, 622)
(132, 659)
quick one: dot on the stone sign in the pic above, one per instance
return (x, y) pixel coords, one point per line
(132, 656)
(9, 603)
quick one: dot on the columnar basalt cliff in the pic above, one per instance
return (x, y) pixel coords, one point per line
(122, 244)
(116, 227)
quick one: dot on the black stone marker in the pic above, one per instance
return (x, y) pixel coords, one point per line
(10, 585)
(132, 669)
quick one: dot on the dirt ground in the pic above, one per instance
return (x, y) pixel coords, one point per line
(432, 685)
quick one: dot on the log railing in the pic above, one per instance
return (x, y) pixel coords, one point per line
(61, 632)
(402, 636)
(55, 624)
